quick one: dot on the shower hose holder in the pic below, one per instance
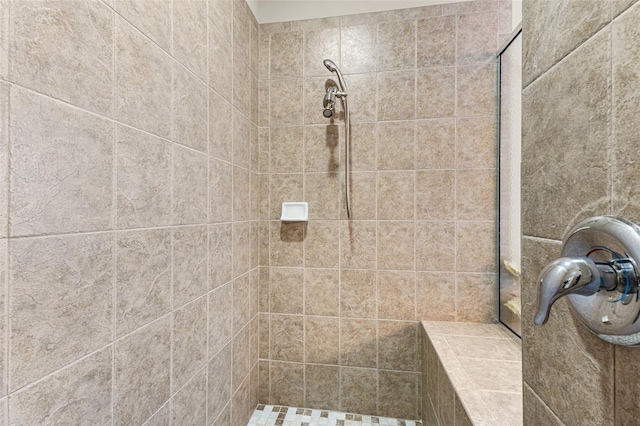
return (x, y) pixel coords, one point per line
(598, 273)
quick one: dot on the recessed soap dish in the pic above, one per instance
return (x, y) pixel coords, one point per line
(295, 212)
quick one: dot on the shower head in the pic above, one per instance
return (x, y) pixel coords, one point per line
(331, 66)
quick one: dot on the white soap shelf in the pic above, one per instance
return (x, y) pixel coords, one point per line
(295, 212)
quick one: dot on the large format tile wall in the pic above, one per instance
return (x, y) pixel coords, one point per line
(340, 299)
(129, 191)
(581, 103)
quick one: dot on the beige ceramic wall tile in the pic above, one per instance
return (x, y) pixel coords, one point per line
(322, 338)
(220, 127)
(162, 417)
(241, 302)
(358, 44)
(4, 156)
(435, 246)
(476, 90)
(220, 318)
(220, 191)
(287, 383)
(358, 293)
(475, 245)
(358, 390)
(77, 394)
(475, 297)
(153, 19)
(436, 45)
(241, 361)
(241, 194)
(396, 195)
(476, 143)
(284, 111)
(286, 149)
(241, 140)
(363, 101)
(143, 81)
(190, 35)
(142, 367)
(287, 290)
(435, 194)
(220, 69)
(322, 291)
(396, 95)
(241, 93)
(284, 188)
(398, 394)
(436, 88)
(322, 386)
(143, 278)
(536, 411)
(189, 347)
(219, 382)
(460, 8)
(48, 56)
(220, 254)
(396, 245)
(4, 266)
(286, 55)
(189, 405)
(396, 45)
(241, 248)
(190, 261)
(322, 148)
(52, 192)
(396, 295)
(358, 244)
(221, 14)
(63, 285)
(190, 114)
(320, 44)
(398, 345)
(435, 144)
(476, 194)
(358, 343)
(322, 192)
(322, 249)
(477, 37)
(144, 168)
(436, 296)
(396, 145)
(190, 193)
(364, 138)
(287, 338)
(287, 244)
(225, 417)
(364, 196)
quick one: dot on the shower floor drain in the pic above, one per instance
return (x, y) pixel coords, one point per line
(270, 415)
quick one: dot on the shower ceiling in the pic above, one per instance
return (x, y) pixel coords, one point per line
(267, 11)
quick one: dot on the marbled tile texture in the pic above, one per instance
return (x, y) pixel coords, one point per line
(129, 228)
(340, 299)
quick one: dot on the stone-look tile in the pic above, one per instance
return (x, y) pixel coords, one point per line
(4, 265)
(357, 43)
(241, 33)
(4, 147)
(358, 390)
(189, 348)
(220, 191)
(263, 350)
(287, 243)
(220, 317)
(190, 114)
(494, 375)
(619, 6)
(220, 70)
(189, 405)
(264, 103)
(436, 41)
(241, 248)
(436, 194)
(219, 382)
(287, 290)
(544, 357)
(320, 44)
(264, 242)
(476, 90)
(476, 194)
(397, 345)
(398, 394)
(435, 144)
(224, 418)
(286, 55)
(475, 245)
(190, 35)
(153, 19)
(286, 149)
(162, 417)
(536, 411)
(396, 45)
(264, 141)
(396, 295)
(283, 188)
(364, 196)
(241, 303)
(322, 192)
(287, 338)
(241, 140)
(626, 104)
(358, 343)
(143, 167)
(143, 82)
(358, 244)
(78, 394)
(436, 89)
(476, 144)
(241, 92)
(264, 382)
(477, 37)
(364, 138)
(579, 121)
(446, 397)
(469, 7)
(241, 194)
(358, 293)
(283, 110)
(435, 246)
(220, 127)
(322, 387)
(48, 56)
(322, 337)
(190, 193)
(484, 348)
(578, 23)
(363, 105)
(63, 285)
(50, 190)
(475, 297)
(322, 148)
(460, 414)
(396, 145)
(241, 361)
(396, 95)
(396, 245)
(322, 290)
(396, 195)
(321, 244)
(436, 296)
(143, 278)
(142, 372)
(287, 384)
(190, 252)
(220, 254)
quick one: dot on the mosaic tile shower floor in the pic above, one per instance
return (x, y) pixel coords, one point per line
(270, 415)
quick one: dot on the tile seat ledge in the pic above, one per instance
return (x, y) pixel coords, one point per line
(483, 363)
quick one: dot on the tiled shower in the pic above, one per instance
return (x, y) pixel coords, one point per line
(145, 149)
